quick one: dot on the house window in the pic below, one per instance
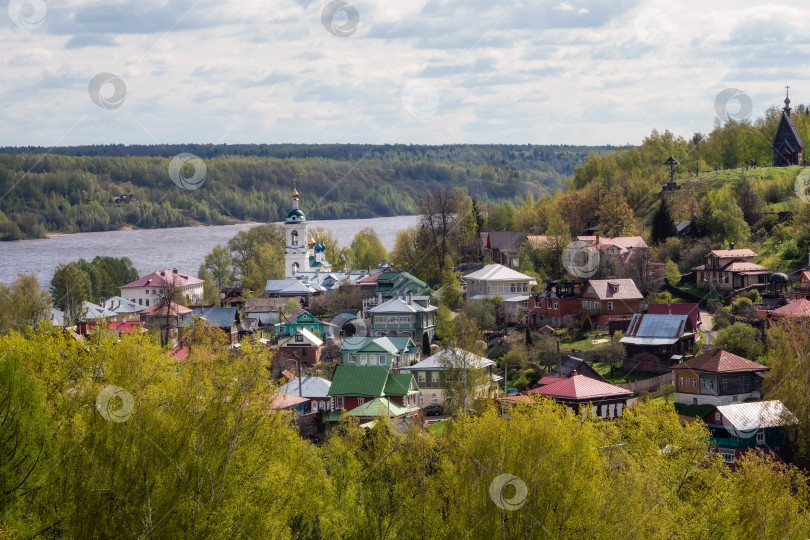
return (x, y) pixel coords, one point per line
(761, 436)
(728, 455)
(711, 384)
(304, 351)
(382, 359)
(610, 306)
(299, 337)
(680, 382)
(314, 406)
(360, 401)
(140, 301)
(724, 384)
(421, 377)
(792, 434)
(586, 305)
(363, 359)
(717, 418)
(555, 305)
(323, 405)
(595, 305)
(694, 383)
(703, 383)
(339, 402)
(372, 359)
(548, 304)
(147, 302)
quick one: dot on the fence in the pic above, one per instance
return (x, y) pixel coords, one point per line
(648, 385)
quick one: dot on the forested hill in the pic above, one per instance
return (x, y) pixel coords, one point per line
(104, 187)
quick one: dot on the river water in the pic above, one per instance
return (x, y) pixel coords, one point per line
(154, 249)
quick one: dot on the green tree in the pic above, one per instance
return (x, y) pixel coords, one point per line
(367, 249)
(663, 226)
(219, 265)
(741, 339)
(673, 273)
(70, 288)
(451, 295)
(23, 304)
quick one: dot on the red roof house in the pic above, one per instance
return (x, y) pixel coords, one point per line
(717, 377)
(605, 400)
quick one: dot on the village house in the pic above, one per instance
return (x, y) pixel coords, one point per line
(409, 317)
(280, 402)
(301, 319)
(584, 395)
(690, 310)
(389, 285)
(353, 386)
(730, 270)
(496, 280)
(303, 346)
(717, 377)
(227, 319)
(165, 317)
(316, 389)
(762, 426)
(793, 315)
(394, 352)
(431, 373)
(266, 310)
(123, 309)
(299, 289)
(568, 366)
(602, 300)
(503, 247)
(654, 343)
(802, 286)
(146, 291)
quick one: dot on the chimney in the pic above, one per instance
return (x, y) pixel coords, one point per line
(174, 270)
(731, 245)
(574, 374)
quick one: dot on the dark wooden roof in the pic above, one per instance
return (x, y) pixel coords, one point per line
(787, 133)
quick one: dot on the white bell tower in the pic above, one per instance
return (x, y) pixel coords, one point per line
(296, 254)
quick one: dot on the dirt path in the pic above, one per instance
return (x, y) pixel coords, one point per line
(707, 326)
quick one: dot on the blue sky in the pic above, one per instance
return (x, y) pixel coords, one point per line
(416, 71)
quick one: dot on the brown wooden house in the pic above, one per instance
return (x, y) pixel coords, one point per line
(717, 377)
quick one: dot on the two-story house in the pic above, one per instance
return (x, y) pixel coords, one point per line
(301, 319)
(763, 426)
(394, 352)
(303, 346)
(353, 386)
(316, 389)
(497, 280)
(226, 319)
(503, 247)
(654, 343)
(147, 290)
(389, 284)
(431, 372)
(601, 299)
(730, 269)
(717, 377)
(404, 317)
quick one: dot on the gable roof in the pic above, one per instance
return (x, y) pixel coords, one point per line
(400, 384)
(380, 407)
(604, 289)
(367, 381)
(794, 308)
(219, 317)
(691, 310)
(505, 240)
(117, 304)
(579, 387)
(498, 272)
(308, 336)
(447, 358)
(93, 311)
(161, 278)
(127, 327)
(647, 329)
(311, 387)
(403, 344)
(264, 305)
(159, 311)
(749, 417)
(621, 242)
(398, 305)
(736, 253)
(569, 365)
(278, 400)
(720, 361)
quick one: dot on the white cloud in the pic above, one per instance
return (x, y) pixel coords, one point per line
(544, 71)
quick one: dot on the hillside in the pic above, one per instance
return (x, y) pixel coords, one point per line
(75, 189)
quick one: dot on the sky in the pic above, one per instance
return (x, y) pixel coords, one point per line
(409, 71)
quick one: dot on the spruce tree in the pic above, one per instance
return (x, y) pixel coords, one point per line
(663, 226)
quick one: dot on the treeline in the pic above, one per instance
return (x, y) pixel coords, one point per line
(111, 439)
(110, 187)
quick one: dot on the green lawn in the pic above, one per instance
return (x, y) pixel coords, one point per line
(438, 428)
(693, 411)
(619, 375)
(583, 344)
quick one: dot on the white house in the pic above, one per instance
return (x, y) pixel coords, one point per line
(497, 280)
(146, 290)
(430, 374)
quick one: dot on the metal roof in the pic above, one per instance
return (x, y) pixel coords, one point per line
(93, 311)
(218, 317)
(398, 305)
(311, 387)
(720, 361)
(450, 358)
(368, 381)
(117, 304)
(158, 279)
(498, 272)
(400, 384)
(749, 417)
(656, 326)
(380, 407)
(579, 387)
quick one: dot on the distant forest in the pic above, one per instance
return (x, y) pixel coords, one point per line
(108, 187)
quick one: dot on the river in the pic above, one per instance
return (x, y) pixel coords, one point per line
(153, 249)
